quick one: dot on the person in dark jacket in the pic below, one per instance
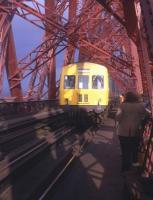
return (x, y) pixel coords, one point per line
(129, 117)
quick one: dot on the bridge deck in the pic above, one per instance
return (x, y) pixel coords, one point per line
(97, 173)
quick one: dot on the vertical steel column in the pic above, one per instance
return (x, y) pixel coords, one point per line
(3, 48)
(132, 30)
(130, 18)
(135, 62)
(83, 30)
(69, 55)
(11, 67)
(147, 15)
(145, 54)
(50, 5)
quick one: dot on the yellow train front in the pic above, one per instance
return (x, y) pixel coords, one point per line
(84, 85)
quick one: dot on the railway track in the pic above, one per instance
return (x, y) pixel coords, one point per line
(52, 182)
(27, 147)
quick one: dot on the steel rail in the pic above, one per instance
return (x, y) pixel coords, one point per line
(34, 150)
(73, 155)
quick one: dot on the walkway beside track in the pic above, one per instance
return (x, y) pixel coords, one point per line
(96, 175)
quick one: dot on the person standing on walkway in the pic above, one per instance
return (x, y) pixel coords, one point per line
(129, 117)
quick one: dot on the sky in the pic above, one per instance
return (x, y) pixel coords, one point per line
(27, 36)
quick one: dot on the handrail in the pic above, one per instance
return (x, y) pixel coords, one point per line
(146, 147)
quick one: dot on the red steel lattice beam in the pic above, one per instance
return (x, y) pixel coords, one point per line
(24, 15)
(99, 32)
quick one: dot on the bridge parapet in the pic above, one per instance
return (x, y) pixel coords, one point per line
(27, 107)
(147, 148)
(140, 183)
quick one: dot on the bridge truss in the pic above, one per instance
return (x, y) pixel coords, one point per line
(115, 33)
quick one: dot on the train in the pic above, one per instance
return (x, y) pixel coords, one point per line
(84, 85)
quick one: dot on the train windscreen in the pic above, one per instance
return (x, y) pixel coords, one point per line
(69, 82)
(83, 82)
(97, 82)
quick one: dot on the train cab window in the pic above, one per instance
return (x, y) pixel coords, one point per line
(69, 82)
(83, 82)
(97, 82)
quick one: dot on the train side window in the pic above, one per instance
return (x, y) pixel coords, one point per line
(83, 82)
(97, 82)
(69, 82)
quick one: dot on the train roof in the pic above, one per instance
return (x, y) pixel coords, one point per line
(79, 64)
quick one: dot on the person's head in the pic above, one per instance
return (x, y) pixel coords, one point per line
(131, 97)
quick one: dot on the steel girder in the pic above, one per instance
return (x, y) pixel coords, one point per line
(70, 51)
(134, 12)
(8, 53)
(145, 37)
(147, 14)
(96, 31)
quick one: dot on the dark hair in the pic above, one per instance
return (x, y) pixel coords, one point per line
(131, 97)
